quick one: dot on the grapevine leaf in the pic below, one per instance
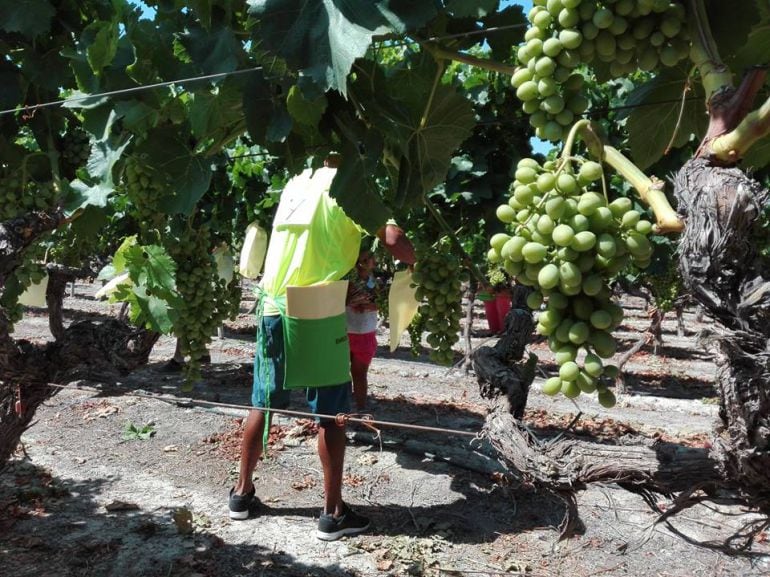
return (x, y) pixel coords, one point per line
(758, 155)
(755, 51)
(149, 311)
(119, 259)
(471, 8)
(218, 116)
(10, 85)
(505, 34)
(302, 110)
(104, 46)
(29, 17)
(731, 27)
(48, 70)
(213, 51)
(151, 267)
(189, 175)
(657, 104)
(202, 9)
(322, 38)
(353, 186)
(425, 133)
(99, 185)
(137, 116)
(267, 119)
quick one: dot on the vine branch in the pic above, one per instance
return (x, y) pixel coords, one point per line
(733, 145)
(486, 64)
(650, 190)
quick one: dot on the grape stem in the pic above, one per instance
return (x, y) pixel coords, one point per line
(451, 234)
(650, 190)
(735, 144)
(705, 54)
(486, 64)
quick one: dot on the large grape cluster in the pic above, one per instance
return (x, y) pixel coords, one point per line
(625, 35)
(205, 299)
(567, 242)
(19, 197)
(144, 188)
(438, 276)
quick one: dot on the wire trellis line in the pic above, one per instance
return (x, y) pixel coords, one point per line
(138, 88)
(340, 418)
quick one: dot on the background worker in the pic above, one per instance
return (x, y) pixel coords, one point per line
(362, 320)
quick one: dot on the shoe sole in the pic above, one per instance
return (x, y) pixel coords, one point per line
(239, 515)
(341, 533)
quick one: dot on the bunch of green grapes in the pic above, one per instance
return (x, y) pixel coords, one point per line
(205, 300)
(144, 186)
(666, 286)
(415, 330)
(75, 149)
(568, 242)
(438, 276)
(20, 196)
(626, 35)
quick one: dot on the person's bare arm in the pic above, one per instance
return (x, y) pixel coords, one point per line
(397, 243)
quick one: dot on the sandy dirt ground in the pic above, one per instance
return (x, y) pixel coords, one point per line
(108, 483)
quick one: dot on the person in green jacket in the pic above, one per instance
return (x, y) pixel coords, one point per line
(313, 241)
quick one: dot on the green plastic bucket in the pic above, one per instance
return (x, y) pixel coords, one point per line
(317, 352)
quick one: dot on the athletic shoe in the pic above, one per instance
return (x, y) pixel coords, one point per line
(243, 506)
(331, 528)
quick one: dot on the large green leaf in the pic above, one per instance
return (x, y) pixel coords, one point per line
(152, 292)
(188, 175)
(137, 116)
(214, 51)
(504, 31)
(28, 17)
(151, 266)
(104, 46)
(267, 119)
(730, 24)
(10, 85)
(322, 38)
(423, 121)
(756, 50)
(217, 116)
(655, 116)
(758, 155)
(303, 110)
(353, 186)
(99, 185)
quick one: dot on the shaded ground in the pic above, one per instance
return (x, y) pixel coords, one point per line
(82, 499)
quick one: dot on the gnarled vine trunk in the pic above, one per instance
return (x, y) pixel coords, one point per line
(82, 350)
(723, 269)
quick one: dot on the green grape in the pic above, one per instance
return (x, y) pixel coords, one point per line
(568, 243)
(440, 273)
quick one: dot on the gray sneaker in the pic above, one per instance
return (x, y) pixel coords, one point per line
(243, 506)
(331, 528)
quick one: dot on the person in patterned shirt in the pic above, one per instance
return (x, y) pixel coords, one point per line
(361, 310)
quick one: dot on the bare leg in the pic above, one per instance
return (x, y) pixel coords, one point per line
(359, 373)
(251, 450)
(331, 451)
